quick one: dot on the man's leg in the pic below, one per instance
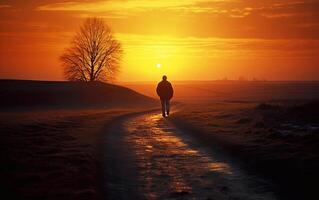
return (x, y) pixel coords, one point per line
(163, 107)
(167, 107)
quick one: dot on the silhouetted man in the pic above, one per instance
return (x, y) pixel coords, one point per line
(165, 92)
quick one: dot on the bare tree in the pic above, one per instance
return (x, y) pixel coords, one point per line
(94, 53)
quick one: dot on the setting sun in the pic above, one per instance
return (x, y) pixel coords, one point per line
(158, 65)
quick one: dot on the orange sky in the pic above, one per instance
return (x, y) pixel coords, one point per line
(190, 39)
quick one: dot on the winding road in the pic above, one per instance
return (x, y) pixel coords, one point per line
(147, 157)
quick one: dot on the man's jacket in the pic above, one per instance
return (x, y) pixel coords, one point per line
(164, 90)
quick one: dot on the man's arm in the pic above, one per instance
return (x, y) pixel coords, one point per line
(171, 90)
(158, 89)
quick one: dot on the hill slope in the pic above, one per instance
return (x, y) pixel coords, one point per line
(64, 94)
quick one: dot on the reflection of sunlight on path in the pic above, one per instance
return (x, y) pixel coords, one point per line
(177, 143)
(169, 166)
(155, 153)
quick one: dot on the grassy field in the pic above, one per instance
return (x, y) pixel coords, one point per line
(52, 155)
(279, 140)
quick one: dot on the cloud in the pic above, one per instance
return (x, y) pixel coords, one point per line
(132, 5)
(229, 8)
(5, 6)
(290, 9)
(122, 9)
(278, 15)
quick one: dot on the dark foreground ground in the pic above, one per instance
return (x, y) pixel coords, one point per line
(278, 140)
(52, 154)
(60, 154)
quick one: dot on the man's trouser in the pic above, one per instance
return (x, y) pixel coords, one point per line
(165, 107)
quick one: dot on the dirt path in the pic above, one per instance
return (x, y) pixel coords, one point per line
(146, 157)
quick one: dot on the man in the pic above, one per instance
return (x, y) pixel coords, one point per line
(165, 92)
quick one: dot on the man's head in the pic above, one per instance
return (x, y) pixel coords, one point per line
(164, 78)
